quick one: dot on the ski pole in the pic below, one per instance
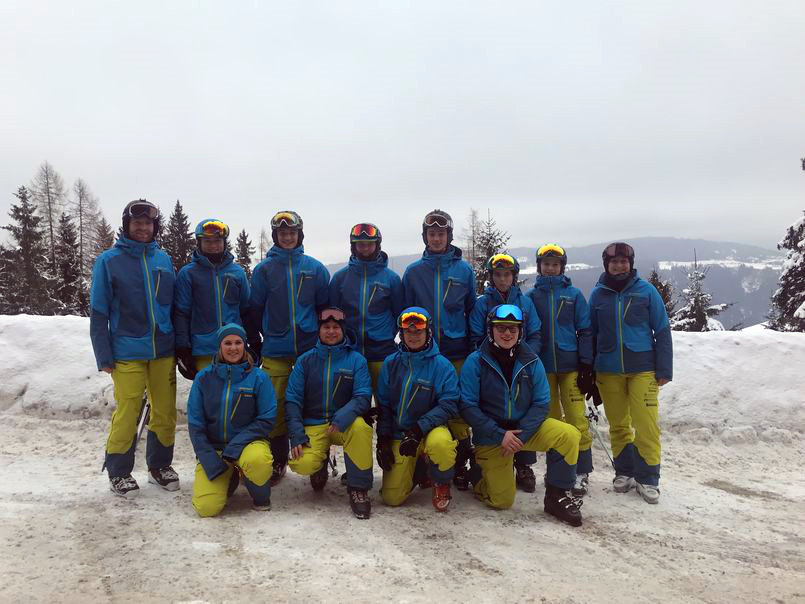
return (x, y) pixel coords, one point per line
(142, 421)
(592, 421)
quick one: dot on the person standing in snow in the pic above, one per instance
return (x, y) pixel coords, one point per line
(633, 359)
(502, 272)
(444, 285)
(328, 392)
(288, 289)
(566, 350)
(230, 411)
(370, 294)
(132, 335)
(417, 395)
(210, 291)
(505, 398)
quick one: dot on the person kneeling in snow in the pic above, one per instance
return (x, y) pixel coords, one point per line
(505, 398)
(230, 413)
(417, 394)
(328, 390)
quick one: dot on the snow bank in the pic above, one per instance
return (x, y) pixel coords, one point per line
(736, 385)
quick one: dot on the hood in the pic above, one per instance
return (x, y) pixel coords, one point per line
(278, 252)
(552, 281)
(226, 259)
(372, 266)
(450, 255)
(135, 248)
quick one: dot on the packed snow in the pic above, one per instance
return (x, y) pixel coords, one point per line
(729, 526)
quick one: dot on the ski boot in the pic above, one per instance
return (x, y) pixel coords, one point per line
(441, 497)
(580, 487)
(124, 486)
(524, 477)
(563, 505)
(360, 503)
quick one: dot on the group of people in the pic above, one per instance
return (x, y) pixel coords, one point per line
(466, 388)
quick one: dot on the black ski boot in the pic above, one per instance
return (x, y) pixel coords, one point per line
(234, 481)
(319, 478)
(359, 502)
(464, 455)
(563, 505)
(524, 477)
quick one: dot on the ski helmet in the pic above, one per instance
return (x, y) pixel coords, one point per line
(418, 318)
(364, 231)
(506, 314)
(502, 262)
(287, 219)
(138, 208)
(551, 250)
(212, 227)
(618, 248)
(437, 218)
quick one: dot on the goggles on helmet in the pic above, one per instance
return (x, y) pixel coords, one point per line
(501, 261)
(550, 249)
(214, 228)
(437, 220)
(331, 314)
(286, 219)
(415, 319)
(619, 249)
(364, 231)
(507, 313)
(143, 208)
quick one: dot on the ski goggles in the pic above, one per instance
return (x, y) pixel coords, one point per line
(413, 319)
(144, 208)
(364, 229)
(214, 228)
(507, 313)
(437, 220)
(331, 314)
(619, 249)
(501, 261)
(286, 219)
(550, 249)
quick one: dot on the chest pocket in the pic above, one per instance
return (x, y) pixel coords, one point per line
(523, 389)
(636, 311)
(231, 293)
(566, 311)
(454, 292)
(342, 390)
(306, 288)
(163, 286)
(244, 408)
(379, 299)
(420, 399)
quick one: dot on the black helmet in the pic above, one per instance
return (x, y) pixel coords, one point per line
(364, 231)
(618, 249)
(507, 314)
(138, 208)
(551, 250)
(437, 218)
(288, 219)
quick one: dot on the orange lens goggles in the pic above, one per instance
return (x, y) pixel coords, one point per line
(365, 228)
(415, 319)
(215, 228)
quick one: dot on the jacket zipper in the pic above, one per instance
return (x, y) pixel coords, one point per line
(293, 303)
(364, 310)
(405, 389)
(235, 408)
(218, 297)
(620, 332)
(327, 390)
(553, 332)
(151, 306)
(226, 399)
(438, 306)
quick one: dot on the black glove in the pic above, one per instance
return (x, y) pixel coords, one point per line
(186, 363)
(585, 379)
(385, 456)
(254, 348)
(410, 442)
(370, 415)
(595, 394)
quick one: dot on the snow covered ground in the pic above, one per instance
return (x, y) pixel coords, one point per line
(729, 526)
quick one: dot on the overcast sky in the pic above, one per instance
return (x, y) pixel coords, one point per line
(574, 122)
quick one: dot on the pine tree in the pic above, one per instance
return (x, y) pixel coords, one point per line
(84, 208)
(47, 189)
(665, 289)
(788, 302)
(70, 290)
(27, 261)
(243, 252)
(7, 287)
(265, 243)
(103, 237)
(699, 313)
(178, 239)
(484, 240)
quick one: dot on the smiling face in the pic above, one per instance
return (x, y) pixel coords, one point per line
(330, 333)
(618, 265)
(415, 338)
(437, 239)
(365, 249)
(287, 238)
(505, 334)
(232, 349)
(141, 229)
(550, 267)
(212, 245)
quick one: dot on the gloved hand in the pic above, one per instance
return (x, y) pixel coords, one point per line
(410, 442)
(186, 363)
(595, 394)
(585, 379)
(370, 415)
(385, 456)
(254, 348)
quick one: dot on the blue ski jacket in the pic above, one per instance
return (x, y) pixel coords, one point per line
(567, 336)
(328, 384)
(229, 406)
(631, 329)
(416, 388)
(206, 297)
(370, 294)
(288, 287)
(490, 407)
(491, 298)
(131, 301)
(444, 285)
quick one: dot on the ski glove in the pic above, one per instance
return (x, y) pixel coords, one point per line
(385, 456)
(585, 379)
(410, 442)
(186, 363)
(369, 416)
(595, 395)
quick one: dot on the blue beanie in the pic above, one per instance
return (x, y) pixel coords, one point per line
(231, 329)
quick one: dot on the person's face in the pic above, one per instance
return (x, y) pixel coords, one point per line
(287, 238)
(212, 245)
(366, 249)
(505, 334)
(141, 229)
(551, 267)
(618, 265)
(415, 338)
(232, 349)
(330, 333)
(437, 239)
(503, 279)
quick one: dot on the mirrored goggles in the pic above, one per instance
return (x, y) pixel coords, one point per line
(331, 314)
(413, 319)
(619, 249)
(550, 249)
(437, 220)
(364, 229)
(501, 261)
(285, 219)
(215, 228)
(507, 312)
(146, 209)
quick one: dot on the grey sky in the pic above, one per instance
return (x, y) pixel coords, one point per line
(573, 122)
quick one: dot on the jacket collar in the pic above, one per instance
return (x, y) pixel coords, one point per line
(136, 248)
